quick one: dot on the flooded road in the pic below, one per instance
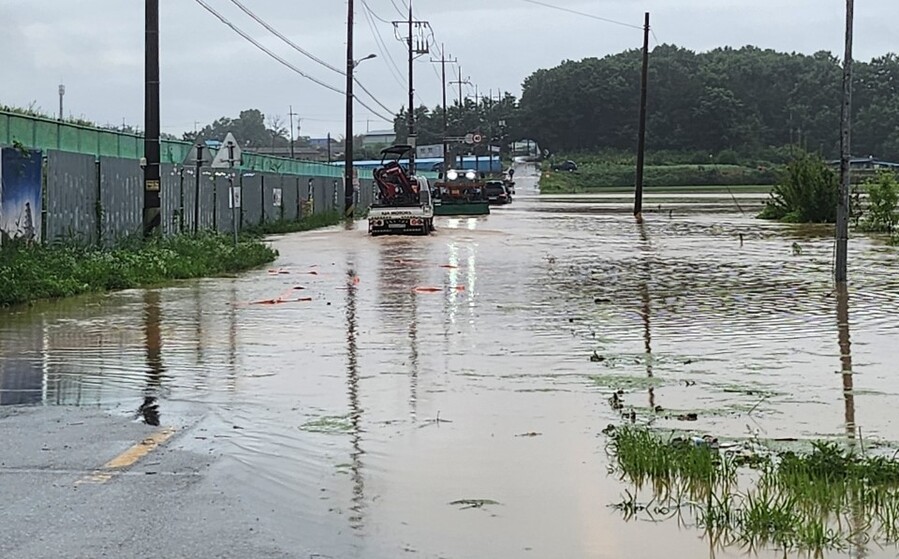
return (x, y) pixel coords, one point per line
(445, 396)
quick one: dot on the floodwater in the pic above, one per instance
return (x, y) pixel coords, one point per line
(364, 412)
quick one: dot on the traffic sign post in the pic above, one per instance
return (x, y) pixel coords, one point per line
(226, 157)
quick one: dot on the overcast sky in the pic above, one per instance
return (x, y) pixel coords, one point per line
(95, 47)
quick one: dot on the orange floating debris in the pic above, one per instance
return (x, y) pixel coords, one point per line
(427, 289)
(266, 302)
(459, 288)
(450, 266)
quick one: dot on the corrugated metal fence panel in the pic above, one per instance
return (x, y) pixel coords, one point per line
(189, 186)
(171, 193)
(289, 199)
(318, 196)
(121, 197)
(71, 197)
(270, 212)
(364, 196)
(222, 203)
(207, 200)
(251, 198)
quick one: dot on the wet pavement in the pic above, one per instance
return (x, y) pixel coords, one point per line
(436, 397)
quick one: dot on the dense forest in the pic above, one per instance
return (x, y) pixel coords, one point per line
(745, 100)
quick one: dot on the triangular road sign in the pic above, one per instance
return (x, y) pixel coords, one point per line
(221, 157)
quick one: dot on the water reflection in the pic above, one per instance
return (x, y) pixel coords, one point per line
(358, 499)
(646, 248)
(22, 378)
(149, 409)
(842, 294)
(399, 272)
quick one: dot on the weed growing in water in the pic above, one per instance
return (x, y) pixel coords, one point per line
(825, 499)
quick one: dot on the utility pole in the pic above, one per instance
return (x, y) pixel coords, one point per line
(460, 81)
(152, 216)
(349, 208)
(641, 138)
(417, 44)
(329, 147)
(291, 114)
(62, 92)
(845, 123)
(443, 60)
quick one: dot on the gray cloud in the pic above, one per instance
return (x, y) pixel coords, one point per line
(95, 47)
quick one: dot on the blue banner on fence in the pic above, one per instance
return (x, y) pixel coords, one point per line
(20, 194)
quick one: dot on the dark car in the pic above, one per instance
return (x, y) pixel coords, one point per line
(565, 166)
(497, 193)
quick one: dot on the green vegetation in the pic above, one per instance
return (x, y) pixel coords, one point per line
(807, 193)
(883, 196)
(591, 176)
(334, 424)
(737, 104)
(29, 273)
(314, 221)
(813, 501)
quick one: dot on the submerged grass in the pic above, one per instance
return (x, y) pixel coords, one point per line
(314, 221)
(824, 499)
(48, 272)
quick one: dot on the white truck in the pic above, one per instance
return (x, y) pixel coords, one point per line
(403, 204)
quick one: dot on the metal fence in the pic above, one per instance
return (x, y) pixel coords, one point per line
(100, 200)
(91, 184)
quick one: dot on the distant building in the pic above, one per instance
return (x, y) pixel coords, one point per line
(322, 142)
(869, 163)
(379, 138)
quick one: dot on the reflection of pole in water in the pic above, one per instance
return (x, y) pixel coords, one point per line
(846, 358)
(232, 339)
(413, 356)
(645, 311)
(198, 332)
(355, 409)
(857, 515)
(149, 409)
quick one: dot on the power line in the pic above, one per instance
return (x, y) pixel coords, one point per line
(284, 62)
(397, 8)
(373, 14)
(311, 56)
(382, 45)
(584, 14)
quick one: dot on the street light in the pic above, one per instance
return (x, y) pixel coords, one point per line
(349, 192)
(369, 57)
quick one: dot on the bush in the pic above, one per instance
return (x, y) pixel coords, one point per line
(808, 192)
(883, 195)
(29, 273)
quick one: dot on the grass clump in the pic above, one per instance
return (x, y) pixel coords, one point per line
(308, 223)
(30, 273)
(824, 499)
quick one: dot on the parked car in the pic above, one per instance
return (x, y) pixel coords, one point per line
(497, 193)
(568, 165)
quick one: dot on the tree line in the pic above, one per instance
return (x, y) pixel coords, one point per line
(747, 100)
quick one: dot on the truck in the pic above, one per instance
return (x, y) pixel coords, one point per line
(403, 202)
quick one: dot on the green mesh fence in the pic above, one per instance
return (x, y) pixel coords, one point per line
(47, 134)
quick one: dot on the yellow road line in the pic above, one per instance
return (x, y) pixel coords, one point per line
(129, 457)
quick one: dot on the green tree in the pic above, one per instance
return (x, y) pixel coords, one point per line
(807, 193)
(883, 196)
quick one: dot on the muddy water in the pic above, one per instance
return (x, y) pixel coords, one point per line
(366, 411)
